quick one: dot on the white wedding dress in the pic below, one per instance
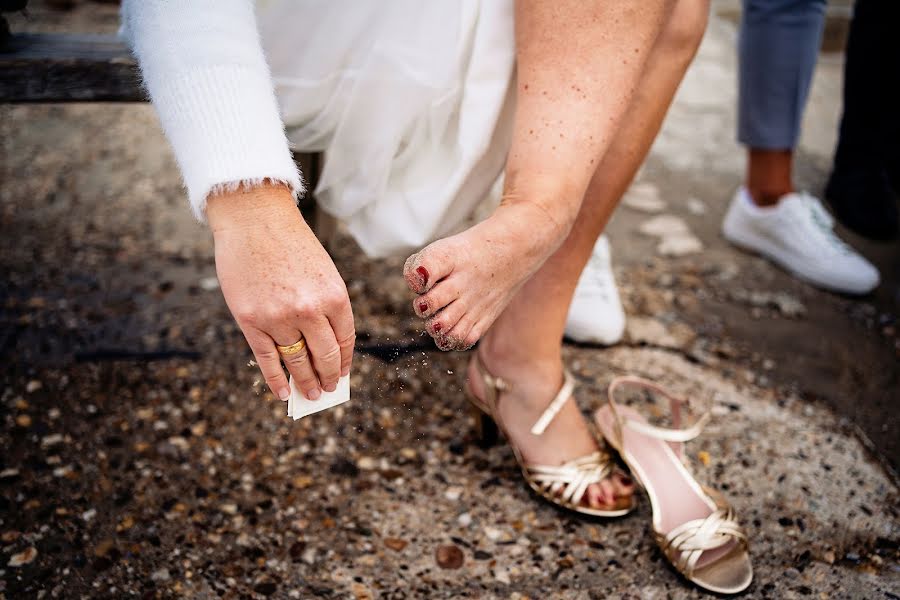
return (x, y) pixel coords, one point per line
(411, 101)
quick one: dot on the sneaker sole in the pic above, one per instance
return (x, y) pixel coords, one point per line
(773, 256)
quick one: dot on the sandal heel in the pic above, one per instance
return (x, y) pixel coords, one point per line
(485, 428)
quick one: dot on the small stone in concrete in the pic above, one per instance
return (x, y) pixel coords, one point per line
(494, 534)
(787, 305)
(696, 206)
(449, 557)
(266, 588)
(395, 544)
(367, 463)
(675, 236)
(9, 473)
(23, 558)
(679, 245)
(648, 330)
(209, 284)
(453, 493)
(51, 440)
(644, 197)
(502, 575)
(361, 592)
(104, 547)
(664, 226)
(309, 556)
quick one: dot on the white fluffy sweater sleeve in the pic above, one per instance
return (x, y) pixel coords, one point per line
(204, 67)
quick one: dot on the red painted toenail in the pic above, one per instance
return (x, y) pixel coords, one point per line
(423, 307)
(436, 327)
(423, 272)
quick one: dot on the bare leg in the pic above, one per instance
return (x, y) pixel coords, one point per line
(524, 344)
(585, 56)
(769, 175)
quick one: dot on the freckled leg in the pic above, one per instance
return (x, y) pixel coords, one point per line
(524, 344)
(578, 65)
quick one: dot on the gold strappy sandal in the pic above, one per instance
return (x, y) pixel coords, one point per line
(564, 485)
(696, 529)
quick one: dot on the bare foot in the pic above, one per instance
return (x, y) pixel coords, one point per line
(465, 281)
(567, 437)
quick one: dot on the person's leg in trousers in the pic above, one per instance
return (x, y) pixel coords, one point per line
(778, 47)
(866, 175)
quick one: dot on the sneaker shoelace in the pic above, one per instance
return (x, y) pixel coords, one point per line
(820, 224)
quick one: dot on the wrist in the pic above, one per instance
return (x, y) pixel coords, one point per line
(250, 205)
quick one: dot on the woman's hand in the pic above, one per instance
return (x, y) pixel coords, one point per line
(279, 284)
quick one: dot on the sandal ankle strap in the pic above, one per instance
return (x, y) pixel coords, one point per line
(565, 392)
(496, 385)
(676, 435)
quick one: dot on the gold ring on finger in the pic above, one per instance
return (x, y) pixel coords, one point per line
(298, 346)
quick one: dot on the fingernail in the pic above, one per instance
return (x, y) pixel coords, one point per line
(330, 387)
(313, 394)
(423, 307)
(423, 273)
(284, 394)
(436, 327)
(345, 372)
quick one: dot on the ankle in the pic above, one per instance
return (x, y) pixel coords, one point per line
(769, 174)
(531, 384)
(554, 201)
(768, 196)
(509, 356)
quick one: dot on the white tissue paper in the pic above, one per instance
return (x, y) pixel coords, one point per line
(299, 406)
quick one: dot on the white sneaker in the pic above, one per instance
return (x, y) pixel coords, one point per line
(798, 235)
(596, 315)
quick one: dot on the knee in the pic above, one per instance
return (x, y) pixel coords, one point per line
(683, 31)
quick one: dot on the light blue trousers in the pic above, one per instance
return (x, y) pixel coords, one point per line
(777, 51)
